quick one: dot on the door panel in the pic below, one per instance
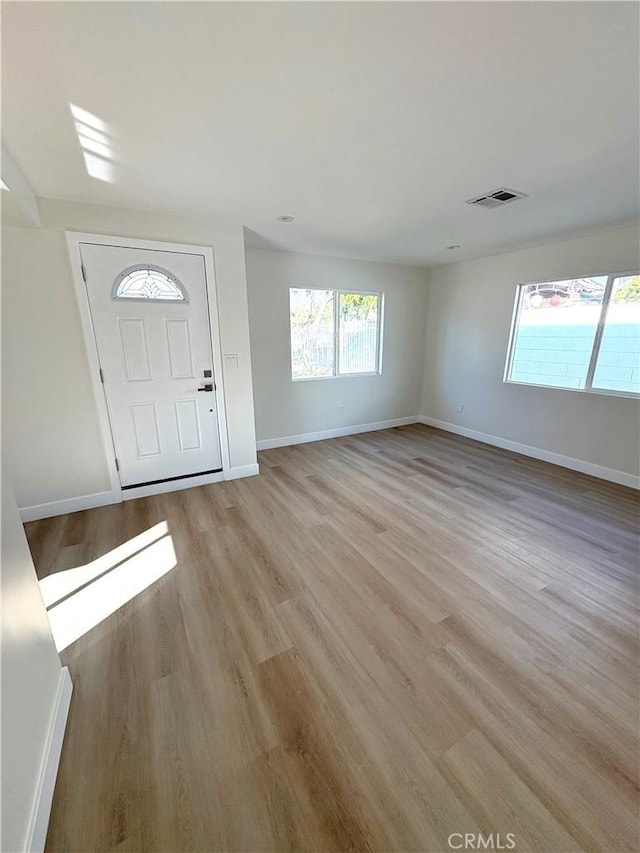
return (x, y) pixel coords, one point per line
(180, 351)
(134, 349)
(155, 354)
(145, 427)
(188, 424)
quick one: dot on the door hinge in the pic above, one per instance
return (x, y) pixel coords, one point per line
(101, 376)
(117, 464)
(84, 274)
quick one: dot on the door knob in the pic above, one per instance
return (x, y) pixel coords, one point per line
(207, 387)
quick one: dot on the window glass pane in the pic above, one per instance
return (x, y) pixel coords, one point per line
(618, 367)
(555, 330)
(358, 332)
(312, 333)
(148, 283)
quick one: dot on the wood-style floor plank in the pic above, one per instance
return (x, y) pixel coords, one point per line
(380, 641)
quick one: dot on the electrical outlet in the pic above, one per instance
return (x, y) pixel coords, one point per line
(341, 410)
(461, 407)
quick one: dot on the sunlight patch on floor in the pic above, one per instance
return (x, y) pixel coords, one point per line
(100, 588)
(60, 584)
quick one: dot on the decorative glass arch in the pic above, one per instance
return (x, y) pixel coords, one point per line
(144, 282)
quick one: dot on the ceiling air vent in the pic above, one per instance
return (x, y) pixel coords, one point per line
(496, 198)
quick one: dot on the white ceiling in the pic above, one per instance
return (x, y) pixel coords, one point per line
(371, 123)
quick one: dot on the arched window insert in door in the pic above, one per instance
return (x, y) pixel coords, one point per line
(143, 283)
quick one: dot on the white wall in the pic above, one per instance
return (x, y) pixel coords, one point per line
(50, 423)
(19, 204)
(470, 312)
(286, 408)
(31, 673)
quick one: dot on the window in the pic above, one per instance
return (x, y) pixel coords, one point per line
(582, 334)
(334, 333)
(146, 282)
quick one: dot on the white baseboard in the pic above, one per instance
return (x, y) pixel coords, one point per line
(48, 510)
(39, 823)
(242, 471)
(611, 474)
(285, 441)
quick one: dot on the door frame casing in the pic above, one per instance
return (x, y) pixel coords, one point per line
(74, 241)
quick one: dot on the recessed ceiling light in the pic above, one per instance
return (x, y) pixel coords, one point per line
(286, 218)
(455, 246)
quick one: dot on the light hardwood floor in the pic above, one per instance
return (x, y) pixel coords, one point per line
(380, 641)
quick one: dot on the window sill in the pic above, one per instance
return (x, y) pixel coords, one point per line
(337, 376)
(602, 392)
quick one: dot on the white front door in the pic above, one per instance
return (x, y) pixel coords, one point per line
(150, 316)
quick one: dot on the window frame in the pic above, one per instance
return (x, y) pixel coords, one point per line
(336, 334)
(595, 347)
